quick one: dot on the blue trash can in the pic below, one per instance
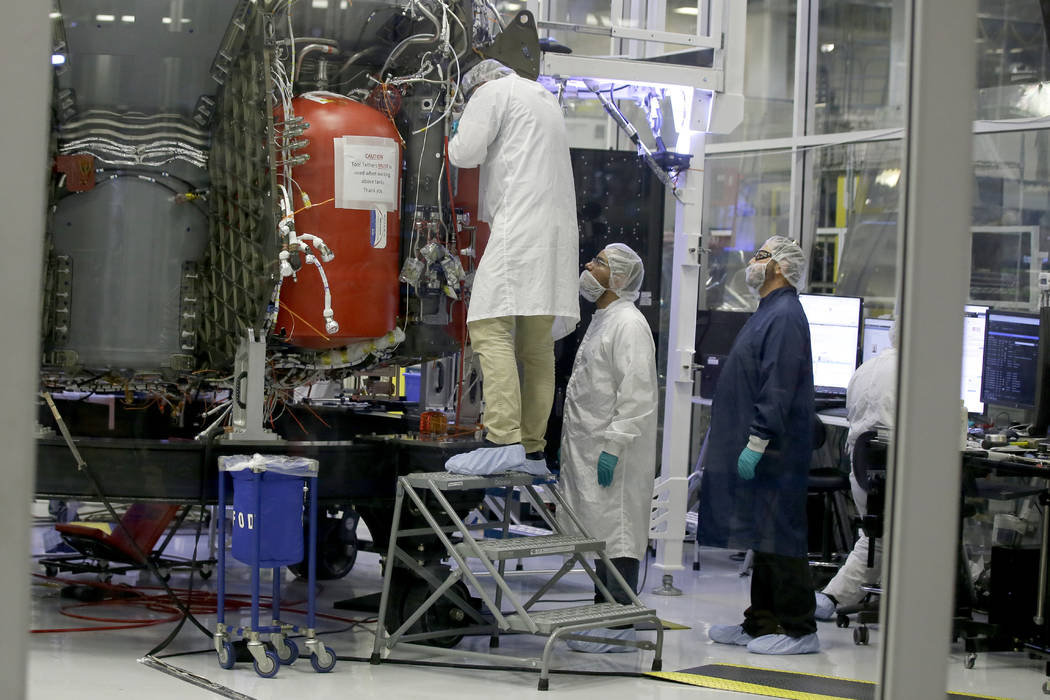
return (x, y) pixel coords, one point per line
(412, 385)
(280, 521)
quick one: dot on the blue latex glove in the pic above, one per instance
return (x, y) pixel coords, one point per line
(606, 468)
(746, 463)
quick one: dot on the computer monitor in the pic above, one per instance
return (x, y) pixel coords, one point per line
(834, 331)
(876, 337)
(974, 321)
(1011, 358)
(715, 333)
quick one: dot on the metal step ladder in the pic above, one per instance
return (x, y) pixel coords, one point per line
(568, 538)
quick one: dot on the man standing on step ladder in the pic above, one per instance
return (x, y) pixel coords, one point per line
(608, 447)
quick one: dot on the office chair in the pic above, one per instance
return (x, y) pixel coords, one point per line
(869, 468)
(831, 485)
(109, 553)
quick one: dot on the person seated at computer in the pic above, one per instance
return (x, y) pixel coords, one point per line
(871, 399)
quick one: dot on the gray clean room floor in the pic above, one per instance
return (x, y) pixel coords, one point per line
(107, 663)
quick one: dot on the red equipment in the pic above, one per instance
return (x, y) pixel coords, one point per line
(363, 276)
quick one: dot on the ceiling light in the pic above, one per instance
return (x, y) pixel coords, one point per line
(166, 20)
(54, 15)
(827, 48)
(127, 18)
(58, 59)
(686, 11)
(105, 18)
(319, 4)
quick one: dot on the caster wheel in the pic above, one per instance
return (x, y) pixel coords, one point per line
(658, 665)
(860, 636)
(323, 665)
(290, 652)
(268, 669)
(226, 656)
(971, 660)
(842, 621)
(51, 571)
(205, 572)
(1046, 687)
(164, 573)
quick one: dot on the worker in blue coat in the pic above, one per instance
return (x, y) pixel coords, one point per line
(753, 491)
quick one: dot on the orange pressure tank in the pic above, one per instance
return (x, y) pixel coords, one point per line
(355, 161)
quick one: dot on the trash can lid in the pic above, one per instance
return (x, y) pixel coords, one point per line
(281, 464)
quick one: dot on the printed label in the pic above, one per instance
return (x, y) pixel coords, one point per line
(366, 173)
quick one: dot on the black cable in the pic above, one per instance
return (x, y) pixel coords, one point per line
(193, 569)
(198, 652)
(486, 667)
(83, 466)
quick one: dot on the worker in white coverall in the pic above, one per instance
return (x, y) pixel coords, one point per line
(608, 446)
(871, 399)
(524, 295)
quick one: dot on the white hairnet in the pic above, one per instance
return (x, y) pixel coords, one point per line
(791, 259)
(625, 271)
(489, 69)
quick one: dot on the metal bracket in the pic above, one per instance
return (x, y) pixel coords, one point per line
(518, 46)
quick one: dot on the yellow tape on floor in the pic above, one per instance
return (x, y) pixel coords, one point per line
(772, 682)
(738, 686)
(668, 625)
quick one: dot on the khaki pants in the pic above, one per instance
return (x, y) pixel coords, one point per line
(516, 409)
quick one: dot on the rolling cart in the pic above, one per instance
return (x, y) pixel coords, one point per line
(268, 532)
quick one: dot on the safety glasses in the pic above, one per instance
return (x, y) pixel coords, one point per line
(762, 255)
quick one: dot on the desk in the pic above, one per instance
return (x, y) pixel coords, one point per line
(978, 463)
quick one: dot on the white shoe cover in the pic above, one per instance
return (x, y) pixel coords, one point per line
(729, 634)
(488, 460)
(783, 644)
(825, 607)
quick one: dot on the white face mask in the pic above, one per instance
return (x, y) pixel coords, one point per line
(590, 288)
(756, 274)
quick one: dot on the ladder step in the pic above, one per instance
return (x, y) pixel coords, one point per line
(600, 615)
(516, 530)
(445, 481)
(543, 545)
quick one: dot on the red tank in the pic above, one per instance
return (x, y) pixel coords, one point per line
(362, 277)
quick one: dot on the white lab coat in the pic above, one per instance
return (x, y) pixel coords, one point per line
(871, 396)
(611, 406)
(513, 128)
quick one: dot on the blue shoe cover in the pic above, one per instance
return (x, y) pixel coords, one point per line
(628, 634)
(536, 467)
(783, 644)
(729, 634)
(488, 460)
(825, 607)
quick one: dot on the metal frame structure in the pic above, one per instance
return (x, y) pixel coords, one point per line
(713, 102)
(556, 624)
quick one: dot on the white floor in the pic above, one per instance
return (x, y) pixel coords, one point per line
(105, 664)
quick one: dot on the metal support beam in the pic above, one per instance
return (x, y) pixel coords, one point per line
(678, 402)
(925, 476)
(24, 72)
